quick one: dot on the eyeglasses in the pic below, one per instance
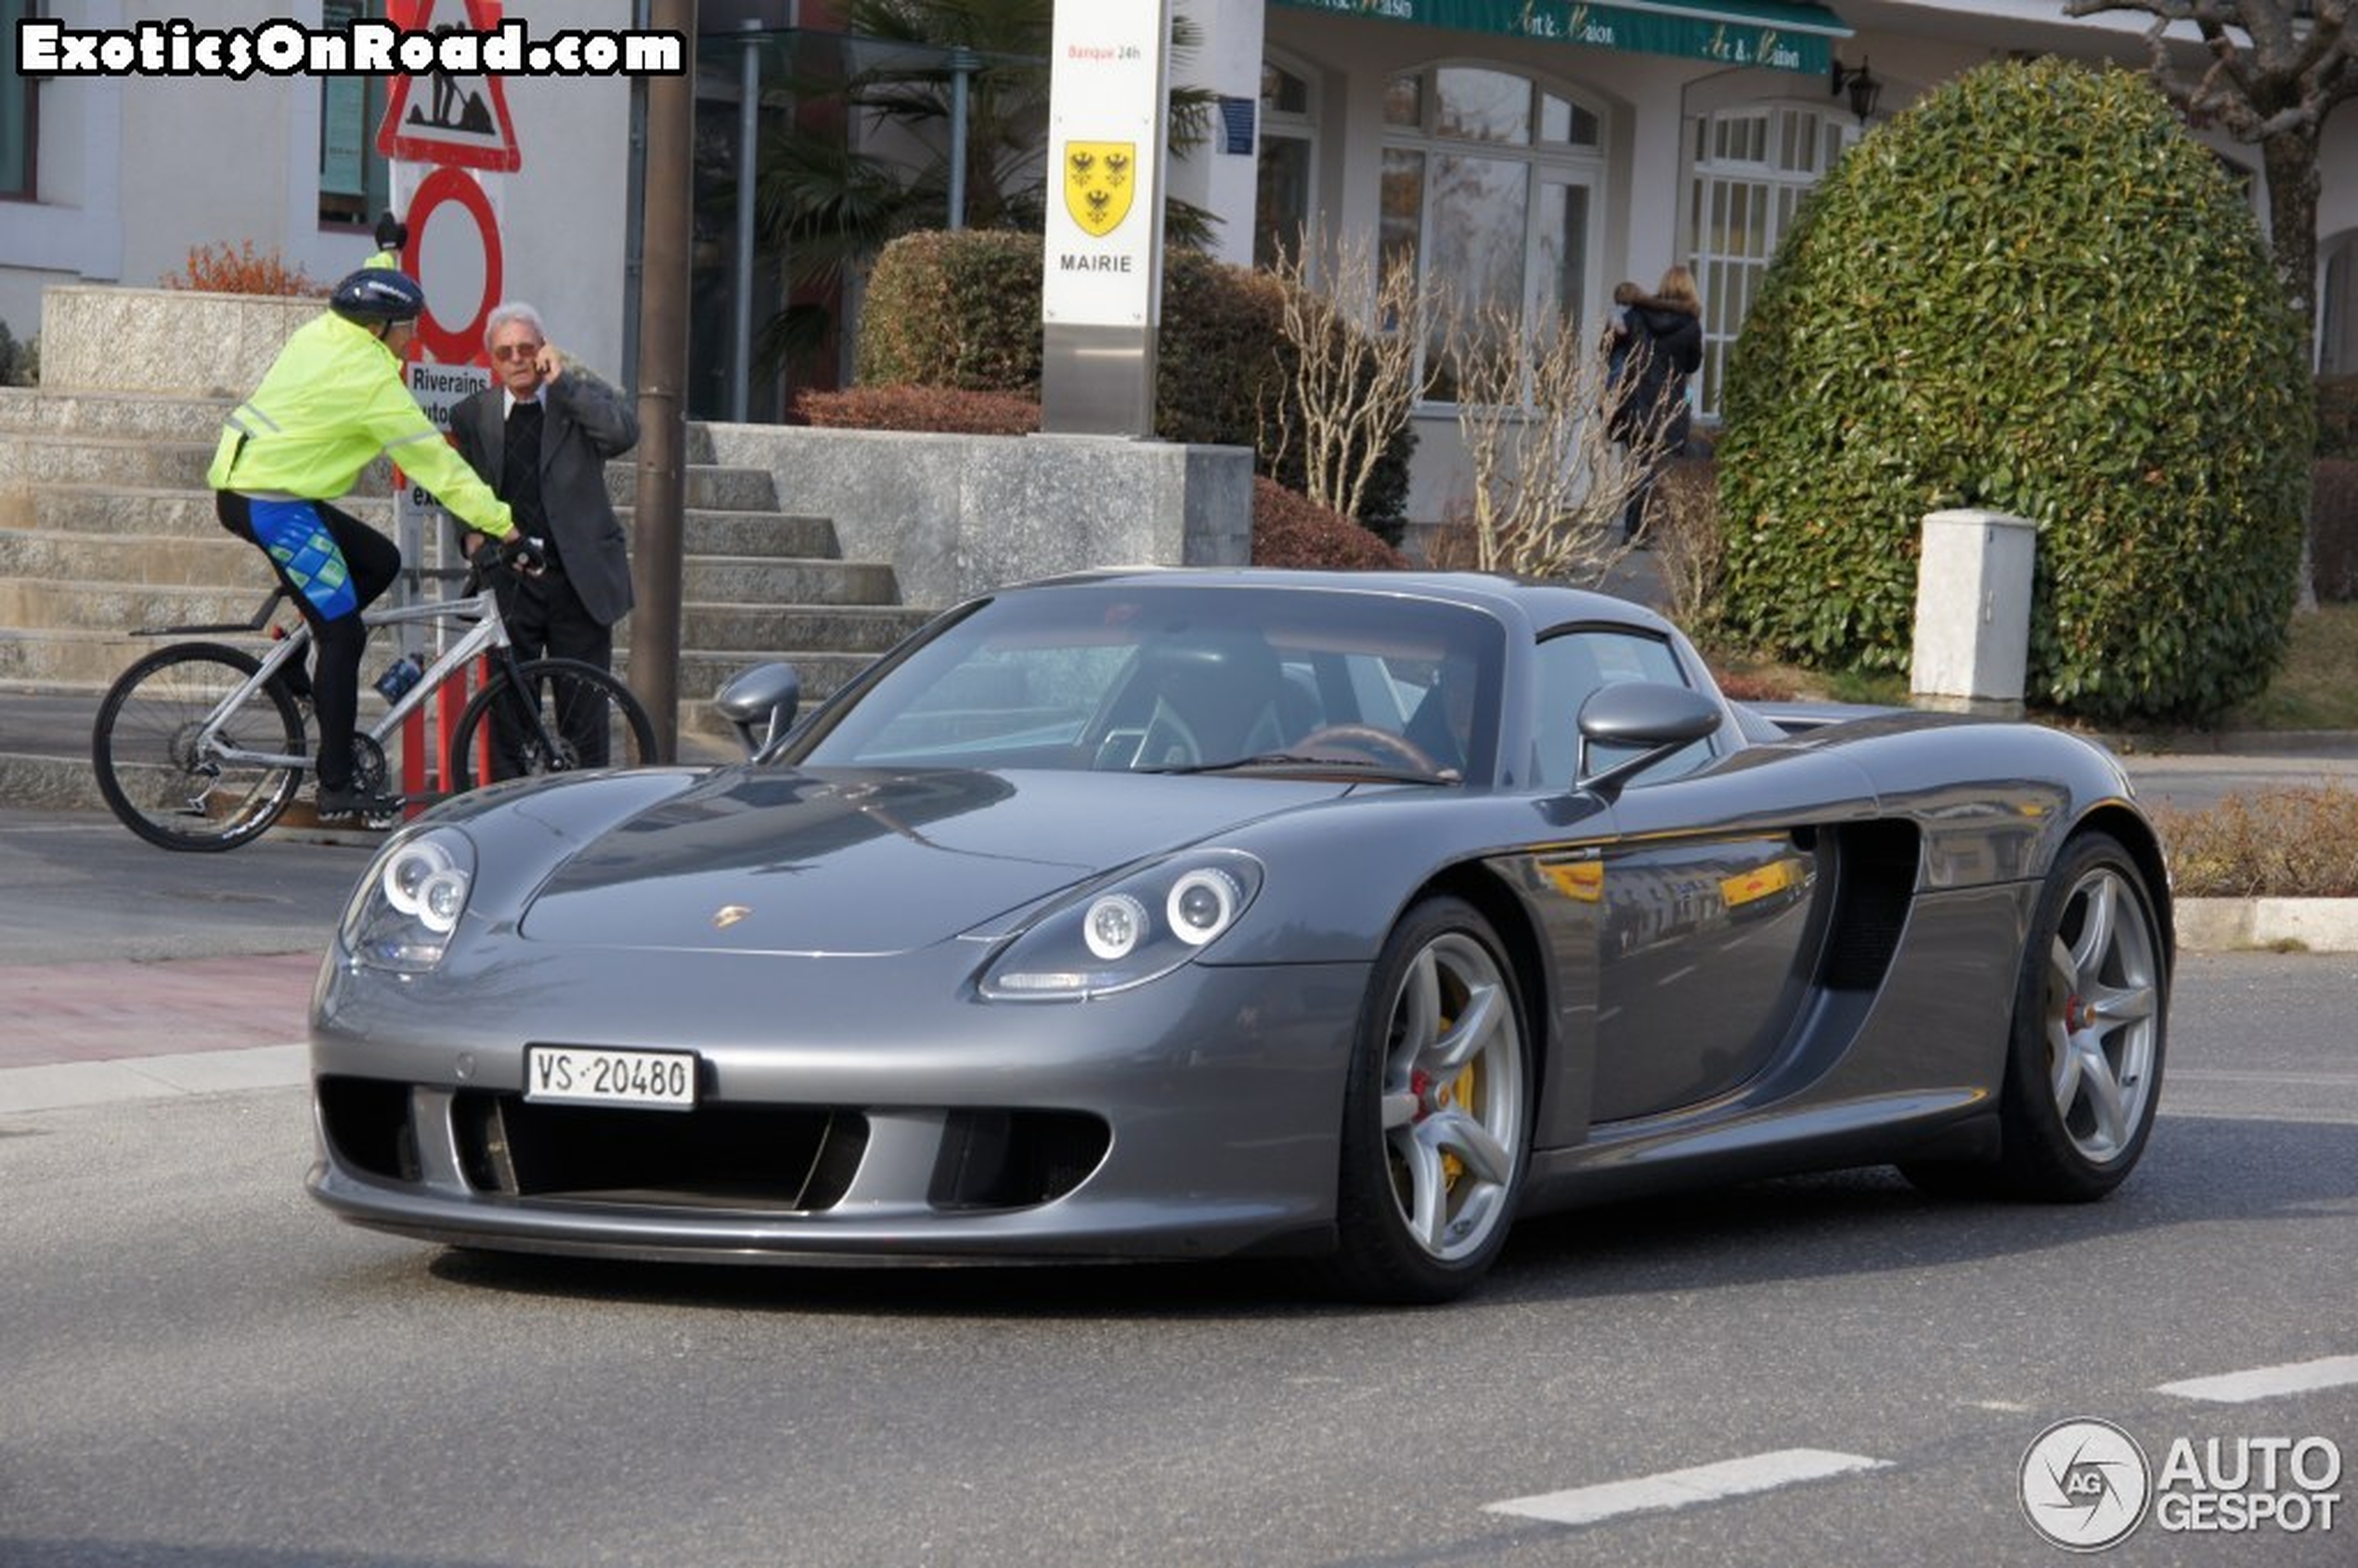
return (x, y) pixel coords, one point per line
(517, 351)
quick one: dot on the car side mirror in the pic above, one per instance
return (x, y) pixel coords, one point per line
(1657, 720)
(760, 703)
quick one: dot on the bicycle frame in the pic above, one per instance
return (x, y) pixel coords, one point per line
(488, 633)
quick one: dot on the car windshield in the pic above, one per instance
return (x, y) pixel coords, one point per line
(1177, 679)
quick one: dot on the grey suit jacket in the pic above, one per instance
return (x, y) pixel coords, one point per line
(583, 422)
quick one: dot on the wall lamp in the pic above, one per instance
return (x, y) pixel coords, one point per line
(1863, 89)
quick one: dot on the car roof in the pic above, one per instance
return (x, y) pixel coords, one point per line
(1539, 604)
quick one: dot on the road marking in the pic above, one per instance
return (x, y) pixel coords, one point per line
(1684, 1488)
(2267, 1383)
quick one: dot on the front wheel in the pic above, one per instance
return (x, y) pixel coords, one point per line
(150, 769)
(549, 716)
(1437, 1114)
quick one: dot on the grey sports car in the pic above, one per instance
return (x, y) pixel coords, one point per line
(1193, 915)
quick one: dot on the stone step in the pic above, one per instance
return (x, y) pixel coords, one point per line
(28, 460)
(864, 629)
(164, 417)
(101, 509)
(752, 579)
(142, 416)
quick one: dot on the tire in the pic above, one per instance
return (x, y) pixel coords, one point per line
(2084, 1059)
(556, 687)
(152, 780)
(1437, 1114)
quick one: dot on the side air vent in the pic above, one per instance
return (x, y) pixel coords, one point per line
(1877, 866)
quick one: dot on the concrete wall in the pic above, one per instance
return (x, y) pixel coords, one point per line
(957, 516)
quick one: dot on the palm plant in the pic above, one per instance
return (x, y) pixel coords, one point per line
(824, 207)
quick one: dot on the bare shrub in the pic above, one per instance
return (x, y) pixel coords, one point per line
(2289, 843)
(1688, 546)
(1354, 335)
(224, 269)
(1549, 481)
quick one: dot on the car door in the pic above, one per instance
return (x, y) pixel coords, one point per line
(1713, 894)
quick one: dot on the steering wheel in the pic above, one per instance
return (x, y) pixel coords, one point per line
(1367, 738)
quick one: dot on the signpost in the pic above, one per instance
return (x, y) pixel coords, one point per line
(1101, 291)
(453, 126)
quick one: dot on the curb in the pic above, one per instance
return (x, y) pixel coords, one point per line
(2283, 925)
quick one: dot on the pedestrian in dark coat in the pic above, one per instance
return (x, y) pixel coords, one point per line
(1664, 347)
(540, 439)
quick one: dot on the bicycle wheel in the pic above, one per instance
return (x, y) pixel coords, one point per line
(564, 717)
(144, 749)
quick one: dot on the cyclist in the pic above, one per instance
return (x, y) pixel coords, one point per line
(332, 401)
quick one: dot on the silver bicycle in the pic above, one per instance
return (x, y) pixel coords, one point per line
(202, 745)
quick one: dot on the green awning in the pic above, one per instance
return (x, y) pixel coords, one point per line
(1768, 34)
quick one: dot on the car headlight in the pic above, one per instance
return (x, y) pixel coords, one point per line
(1127, 932)
(402, 914)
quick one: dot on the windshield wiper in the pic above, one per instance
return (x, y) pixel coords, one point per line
(1370, 767)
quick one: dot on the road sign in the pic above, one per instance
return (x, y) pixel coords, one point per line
(444, 187)
(443, 117)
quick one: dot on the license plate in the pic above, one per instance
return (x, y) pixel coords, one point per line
(578, 1076)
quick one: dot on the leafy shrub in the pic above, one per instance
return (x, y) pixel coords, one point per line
(2333, 528)
(962, 311)
(922, 407)
(2284, 844)
(220, 269)
(2337, 416)
(19, 362)
(1292, 530)
(2032, 292)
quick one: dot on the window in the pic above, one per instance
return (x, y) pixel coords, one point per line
(1488, 184)
(20, 110)
(353, 183)
(1574, 666)
(1283, 204)
(1751, 167)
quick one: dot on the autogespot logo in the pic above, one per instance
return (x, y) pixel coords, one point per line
(2085, 1485)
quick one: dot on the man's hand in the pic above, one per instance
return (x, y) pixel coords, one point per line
(520, 552)
(392, 233)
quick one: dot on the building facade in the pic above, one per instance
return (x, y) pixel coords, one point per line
(1531, 152)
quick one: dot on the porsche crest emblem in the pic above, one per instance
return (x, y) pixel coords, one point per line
(1100, 179)
(727, 915)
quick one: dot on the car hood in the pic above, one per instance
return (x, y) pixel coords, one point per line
(848, 861)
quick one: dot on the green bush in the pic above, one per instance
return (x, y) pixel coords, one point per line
(2338, 417)
(2031, 293)
(962, 311)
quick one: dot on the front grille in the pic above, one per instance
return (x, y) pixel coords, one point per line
(772, 1159)
(793, 1159)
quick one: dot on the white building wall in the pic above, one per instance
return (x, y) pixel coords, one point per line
(135, 172)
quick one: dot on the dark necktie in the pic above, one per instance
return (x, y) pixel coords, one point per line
(520, 469)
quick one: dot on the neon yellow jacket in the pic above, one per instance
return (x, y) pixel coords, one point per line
(331, 402)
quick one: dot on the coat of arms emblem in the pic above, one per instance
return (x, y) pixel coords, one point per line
(1100, 179)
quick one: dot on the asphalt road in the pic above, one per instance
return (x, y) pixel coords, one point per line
(203, 1370)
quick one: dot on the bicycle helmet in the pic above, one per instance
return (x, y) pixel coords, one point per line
(377, 295)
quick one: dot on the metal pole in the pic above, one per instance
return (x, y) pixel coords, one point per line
(748, 128)
(663, 377)
(963, 63)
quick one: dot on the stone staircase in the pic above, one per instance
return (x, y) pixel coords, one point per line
(105, 526)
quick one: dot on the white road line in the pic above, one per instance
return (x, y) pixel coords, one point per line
(2268, 1382)
(1684, 1488)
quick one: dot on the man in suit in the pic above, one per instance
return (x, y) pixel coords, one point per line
(540, 439)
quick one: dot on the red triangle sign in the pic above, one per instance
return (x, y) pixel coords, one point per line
(460, 120)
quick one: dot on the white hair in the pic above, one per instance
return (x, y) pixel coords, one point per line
(513, 310)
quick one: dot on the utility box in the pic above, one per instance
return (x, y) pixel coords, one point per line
(1973, 612)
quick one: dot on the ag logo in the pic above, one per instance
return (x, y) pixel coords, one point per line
(2084, 1484)
(1100, 177)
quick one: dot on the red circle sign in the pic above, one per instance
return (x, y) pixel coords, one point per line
(441, 186)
